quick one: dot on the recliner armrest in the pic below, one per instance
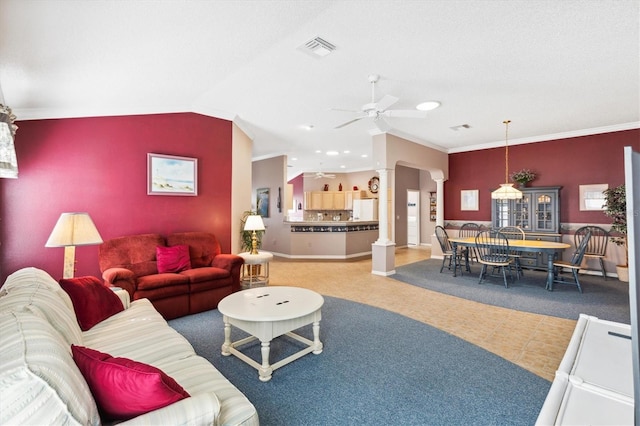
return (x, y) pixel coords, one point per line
(227, 261)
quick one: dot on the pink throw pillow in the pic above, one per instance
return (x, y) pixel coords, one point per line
(92, 301)
(173, 259)
(124, 388)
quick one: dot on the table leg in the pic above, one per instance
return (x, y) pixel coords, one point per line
(455, 258)
(227, 337)
(550, 257)
(265, 370)
(317, 344)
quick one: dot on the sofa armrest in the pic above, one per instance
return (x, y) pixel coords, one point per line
(201, 409)
(120, 277)
(227, 261)
(231, 263)
(123, 295)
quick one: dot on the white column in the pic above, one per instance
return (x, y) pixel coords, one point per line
(383, 211)
(383, 251)
(439, 202)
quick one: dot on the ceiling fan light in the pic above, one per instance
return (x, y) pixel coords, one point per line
(428, 105)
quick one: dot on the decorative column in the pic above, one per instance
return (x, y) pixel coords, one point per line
(439, 202)
(436, 251)
(383, 251)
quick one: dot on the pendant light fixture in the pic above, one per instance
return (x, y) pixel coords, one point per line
(506, 190)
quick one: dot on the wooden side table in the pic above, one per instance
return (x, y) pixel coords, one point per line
(255, 271)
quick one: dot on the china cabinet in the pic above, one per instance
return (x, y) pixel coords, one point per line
(537, 213)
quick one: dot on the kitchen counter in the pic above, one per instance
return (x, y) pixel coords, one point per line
(332, 239)
(333, 226)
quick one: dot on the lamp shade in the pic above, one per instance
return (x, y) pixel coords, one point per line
(74, 229)
(254, 223)
(506, 192)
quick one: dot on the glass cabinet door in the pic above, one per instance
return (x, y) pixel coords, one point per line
(545, 206)
(521, 208)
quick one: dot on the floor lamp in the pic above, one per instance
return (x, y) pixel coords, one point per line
(71, 230)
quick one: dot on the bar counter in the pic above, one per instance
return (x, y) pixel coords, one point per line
(332, 239)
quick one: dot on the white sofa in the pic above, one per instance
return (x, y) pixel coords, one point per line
(41, 384)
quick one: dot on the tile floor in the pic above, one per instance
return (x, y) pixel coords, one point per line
(534, 342)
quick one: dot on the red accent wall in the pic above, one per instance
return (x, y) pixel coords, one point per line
(99, 165)
(570, 162)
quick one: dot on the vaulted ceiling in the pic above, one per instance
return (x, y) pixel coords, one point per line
(554, 68)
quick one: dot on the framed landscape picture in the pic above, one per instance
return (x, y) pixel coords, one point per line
(262, 202)
(171, 175)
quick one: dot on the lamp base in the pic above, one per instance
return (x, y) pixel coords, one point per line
(254, 243)
(69, 261)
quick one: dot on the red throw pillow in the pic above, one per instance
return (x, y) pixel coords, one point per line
(124, 388)
(92, 301)
(173, 259)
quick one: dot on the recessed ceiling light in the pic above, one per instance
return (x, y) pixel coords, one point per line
(460, 127)
(294, 159)
(364, 156)
(307, 127)
(343, 166)
(318, 151)
(428, 106)
(346, 151)
(333, 153)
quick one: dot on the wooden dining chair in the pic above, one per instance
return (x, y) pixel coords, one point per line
(573, 265)
(515, 233)
(493, 250)
(470, 229)
(447, 249)
(597, 246)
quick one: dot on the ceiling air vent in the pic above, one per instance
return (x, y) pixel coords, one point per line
(318, 47)
(460, 127)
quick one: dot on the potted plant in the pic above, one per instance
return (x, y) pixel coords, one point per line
(523, 177)
(615, 206)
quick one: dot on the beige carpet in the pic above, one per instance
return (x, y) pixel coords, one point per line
(534, 342)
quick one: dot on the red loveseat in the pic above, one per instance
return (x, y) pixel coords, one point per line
(131, 263)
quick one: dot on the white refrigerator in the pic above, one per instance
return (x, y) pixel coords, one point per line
(365, 209)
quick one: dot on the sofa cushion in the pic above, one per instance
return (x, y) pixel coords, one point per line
(164, 282)
(39, 382)
(92, 301)
(135, 252)
(198, 275)
(173, 259)
(124, 388)
(203, 246)
(33, 290)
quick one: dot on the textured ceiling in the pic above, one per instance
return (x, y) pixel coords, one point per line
(554, 68)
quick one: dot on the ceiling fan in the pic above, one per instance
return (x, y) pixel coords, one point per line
(320, 175)
(379, 110)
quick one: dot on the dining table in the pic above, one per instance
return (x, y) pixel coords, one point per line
(550, 248)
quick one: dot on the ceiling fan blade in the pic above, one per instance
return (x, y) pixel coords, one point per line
(382, 124)
(344, 110)
(350, 121)
(386, 102)
(405, 113)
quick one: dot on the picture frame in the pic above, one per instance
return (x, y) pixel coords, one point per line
(172, 175)
(469, 200)
(262, 202)
(592, 197)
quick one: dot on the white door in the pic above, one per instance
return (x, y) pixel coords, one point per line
(413, 217)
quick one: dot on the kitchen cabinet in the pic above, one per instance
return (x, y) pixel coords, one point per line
(330, 200)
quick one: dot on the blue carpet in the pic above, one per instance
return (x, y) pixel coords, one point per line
(377, 367)
(608, 300)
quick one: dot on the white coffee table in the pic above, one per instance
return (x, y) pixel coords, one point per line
(266, 313)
